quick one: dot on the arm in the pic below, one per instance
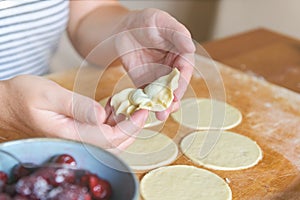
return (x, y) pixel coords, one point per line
(34, 106)
(170, 42)
(91, 22)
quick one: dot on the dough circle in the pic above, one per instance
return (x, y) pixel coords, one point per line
(185, 183)
(204, 114)
(231, 151)
(151, 120)
(150, 150)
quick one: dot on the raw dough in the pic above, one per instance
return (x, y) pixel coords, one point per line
(231, 151)
(150, 150)
(157, 96)
(204, 114)
(185, 183)
(151, 121)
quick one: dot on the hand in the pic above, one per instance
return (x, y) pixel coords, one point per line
(39, 107)
(152, 43)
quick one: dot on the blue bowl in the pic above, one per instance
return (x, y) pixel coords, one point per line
(96, 160)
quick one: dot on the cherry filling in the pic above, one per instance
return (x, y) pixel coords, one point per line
(53, 183)
(3, 181)
(65, 159)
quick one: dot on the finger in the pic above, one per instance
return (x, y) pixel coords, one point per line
(124, 133)
(182, 42)
(185, 64)
(105, 136)
(76, 106)
(124, 145)
(129, 129)
(175, 32)
(134, 124)
(87, 110)
(69, 128)
(146, 73)
(175, 106)
(110, 114)
(163, 115)
(112, 119)
(108, 108)
(91, 134)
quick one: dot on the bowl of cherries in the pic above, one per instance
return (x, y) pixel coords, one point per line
(56, 169)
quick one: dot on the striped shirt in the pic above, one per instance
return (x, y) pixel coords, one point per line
(29, 33)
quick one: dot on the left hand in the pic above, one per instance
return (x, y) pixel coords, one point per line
(35, 106)
(153, 43)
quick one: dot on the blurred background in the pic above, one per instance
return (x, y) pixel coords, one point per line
(209, 20)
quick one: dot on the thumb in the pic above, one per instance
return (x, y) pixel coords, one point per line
(86, 110)
(79, 107)
(133, 125)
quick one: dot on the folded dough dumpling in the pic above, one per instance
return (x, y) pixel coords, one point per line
(157, 96)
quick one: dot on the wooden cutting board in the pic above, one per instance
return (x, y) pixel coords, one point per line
(271, 117)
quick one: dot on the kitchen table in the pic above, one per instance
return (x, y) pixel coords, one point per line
(260, 73)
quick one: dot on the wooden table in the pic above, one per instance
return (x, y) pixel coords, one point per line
(271, 114)
(261, 52)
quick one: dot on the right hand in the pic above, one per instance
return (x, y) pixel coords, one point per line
(39, 107)
(150, 44)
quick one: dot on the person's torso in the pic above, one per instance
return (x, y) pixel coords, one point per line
(29, 33)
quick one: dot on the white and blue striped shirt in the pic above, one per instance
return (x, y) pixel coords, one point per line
(29, 33)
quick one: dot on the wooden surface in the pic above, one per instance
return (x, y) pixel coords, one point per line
(271, 114)
(263, 53)
(271, 117)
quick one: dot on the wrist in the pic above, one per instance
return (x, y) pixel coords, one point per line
(97, 26)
